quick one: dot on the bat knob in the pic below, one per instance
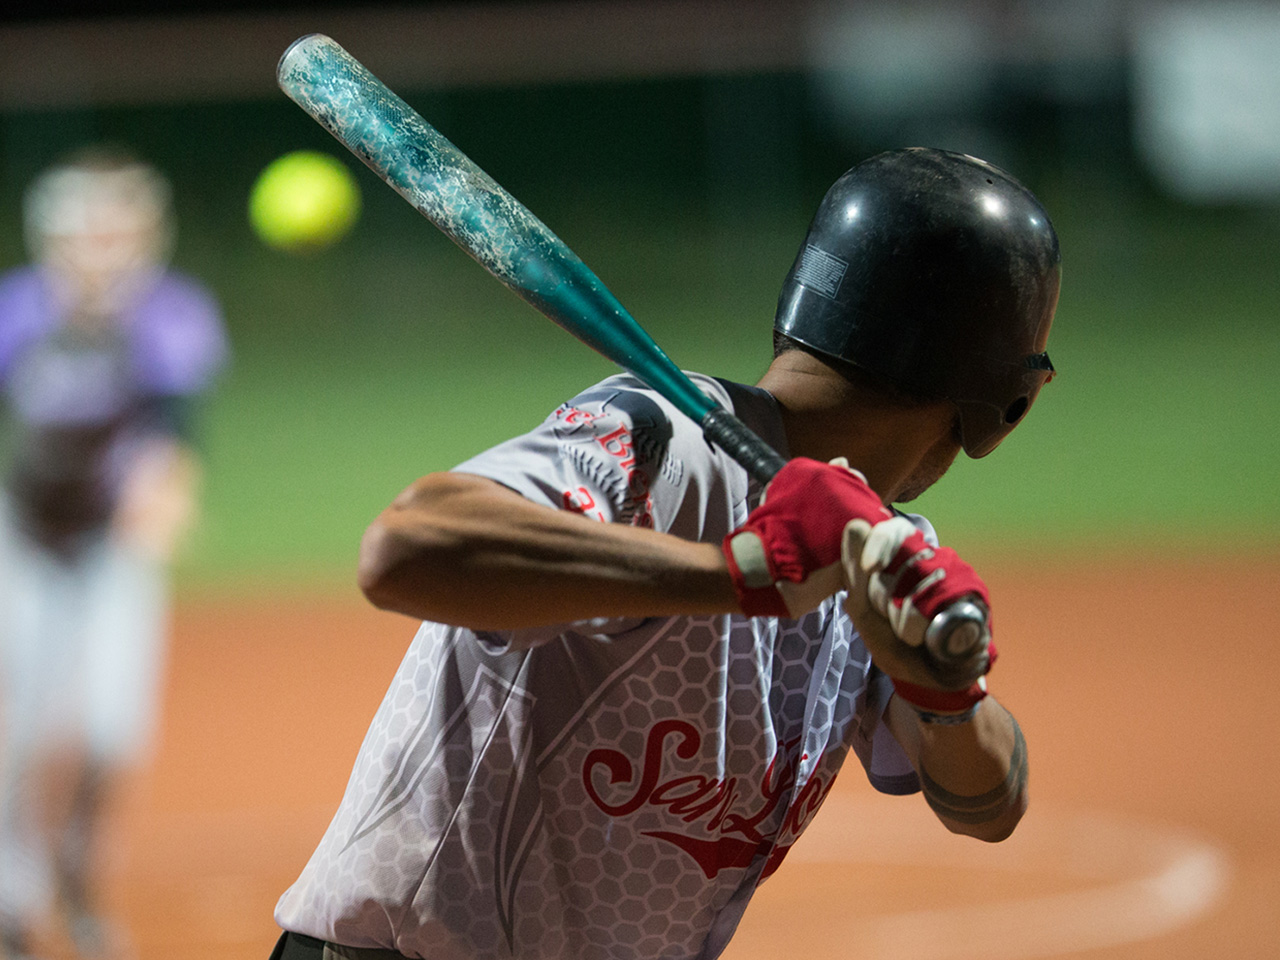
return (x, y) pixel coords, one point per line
(957, 638)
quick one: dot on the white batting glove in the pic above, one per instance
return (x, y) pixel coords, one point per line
(898, 583)
(881, 546)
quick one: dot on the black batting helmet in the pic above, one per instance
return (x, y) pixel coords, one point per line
(937, 272)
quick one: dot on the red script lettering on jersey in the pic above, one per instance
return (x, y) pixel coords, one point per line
(730, 838)
(619, 443)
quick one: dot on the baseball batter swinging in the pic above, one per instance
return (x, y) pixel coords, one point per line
(638, 678)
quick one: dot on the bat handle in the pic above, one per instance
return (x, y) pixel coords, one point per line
(953, 633)
(736, 439)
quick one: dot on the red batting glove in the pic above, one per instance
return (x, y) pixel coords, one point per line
(785, 559)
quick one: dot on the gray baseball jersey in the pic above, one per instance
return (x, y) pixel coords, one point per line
(604, 789)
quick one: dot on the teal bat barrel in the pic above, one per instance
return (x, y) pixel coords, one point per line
(470, 207)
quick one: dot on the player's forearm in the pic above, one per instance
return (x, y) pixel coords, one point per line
(974, 774)
(464, 550)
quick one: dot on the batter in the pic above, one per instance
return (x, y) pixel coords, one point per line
(637, 676)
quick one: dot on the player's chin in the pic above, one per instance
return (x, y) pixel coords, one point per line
(916, 484)
(929, 471)
(909, 493)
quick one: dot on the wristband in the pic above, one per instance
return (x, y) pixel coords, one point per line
(926, 700)
(749, 568)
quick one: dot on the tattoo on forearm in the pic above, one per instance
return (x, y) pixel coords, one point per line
(986, 806)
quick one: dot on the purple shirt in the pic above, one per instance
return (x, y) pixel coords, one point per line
(76, 402)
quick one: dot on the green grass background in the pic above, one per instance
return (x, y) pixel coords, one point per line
(392, 354)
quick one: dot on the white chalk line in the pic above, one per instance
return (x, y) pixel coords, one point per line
(1139, 881)
(1132, 880)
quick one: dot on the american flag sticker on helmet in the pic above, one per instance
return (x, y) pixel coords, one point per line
(820, 271)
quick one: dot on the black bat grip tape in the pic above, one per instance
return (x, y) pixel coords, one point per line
(741, 443)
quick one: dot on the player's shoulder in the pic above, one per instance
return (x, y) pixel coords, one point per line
(179, 340)
(623, 401)
(622, 428)
(178, 297)
(622, 390)
(624, 406)
(618, 419)
(626, 396)
(20, 285)
(26, 311)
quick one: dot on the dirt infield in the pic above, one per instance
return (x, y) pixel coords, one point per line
(1147, 698)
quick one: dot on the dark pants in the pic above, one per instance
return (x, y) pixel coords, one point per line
(296, 946)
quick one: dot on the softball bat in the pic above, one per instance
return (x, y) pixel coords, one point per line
(505, 238)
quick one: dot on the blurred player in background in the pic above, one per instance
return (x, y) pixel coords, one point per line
(102, 352)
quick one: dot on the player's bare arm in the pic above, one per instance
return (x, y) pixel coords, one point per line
(440, 549)
(973, 774)
(462, 549)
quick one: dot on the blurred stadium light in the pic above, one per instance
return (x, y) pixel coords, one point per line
(1201, 79)
(1207, 98)
(947, 73)
(137, 60)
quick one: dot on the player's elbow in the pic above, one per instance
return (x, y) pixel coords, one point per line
(994, 824)
(402, 553)
(420, 556)
(381, 571)
(380, 556)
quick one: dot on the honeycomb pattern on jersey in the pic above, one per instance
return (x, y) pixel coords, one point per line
(596, 797)
(530, 856)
